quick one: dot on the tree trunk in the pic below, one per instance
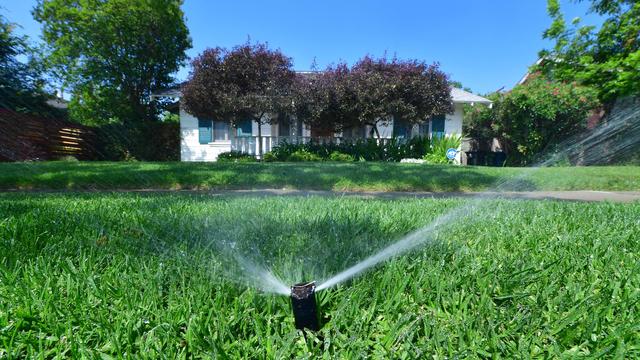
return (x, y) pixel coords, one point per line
(260, 140)
(374, 130)
(139, 110)
(377, 132)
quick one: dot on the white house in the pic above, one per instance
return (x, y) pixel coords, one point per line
(205, 139)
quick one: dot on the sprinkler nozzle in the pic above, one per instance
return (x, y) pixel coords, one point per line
(303, 301)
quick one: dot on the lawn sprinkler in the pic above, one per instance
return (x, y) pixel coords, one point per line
(305, 310)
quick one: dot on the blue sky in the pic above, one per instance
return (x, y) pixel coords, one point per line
(485, 45)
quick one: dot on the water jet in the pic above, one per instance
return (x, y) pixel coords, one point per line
(305, 309)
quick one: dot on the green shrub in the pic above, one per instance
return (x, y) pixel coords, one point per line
(269, 157)
(339, 156)
(303, 155)
(434, 158)
(235, 156)
(398, 149)
(146, 141)
(439, 146)
(362, 149)
(68, 158)
(282, 151)
(533, 117)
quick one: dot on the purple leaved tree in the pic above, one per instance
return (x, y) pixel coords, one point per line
(326, 100)
(249, 81)
(372, 92)
(404, 90)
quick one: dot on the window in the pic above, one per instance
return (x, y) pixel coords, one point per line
(205, 131)
(220, 130)
(355, 132)
(244, 128)
(401, 129)
(284, 125)
(437, 126)
(212, 130)
(299, 131)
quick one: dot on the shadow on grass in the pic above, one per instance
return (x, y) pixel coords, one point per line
(300, 240)
(221, 176)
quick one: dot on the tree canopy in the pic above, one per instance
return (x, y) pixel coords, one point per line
(532, 117)
(326, 100)
(607, 57)
(374, 91)
(248, 82)
(22, 87)
(112, 54)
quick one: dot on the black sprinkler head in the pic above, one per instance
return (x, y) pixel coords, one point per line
(303, 301)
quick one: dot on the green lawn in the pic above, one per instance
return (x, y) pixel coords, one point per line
(309, 176)
(154, 275)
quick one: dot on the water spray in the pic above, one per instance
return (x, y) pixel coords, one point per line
(305, 310)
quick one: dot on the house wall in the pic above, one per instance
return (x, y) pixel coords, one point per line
(453, 122)
(267, 129)
(386, 130)
(192, 150)
(190, 147)
(453, 126)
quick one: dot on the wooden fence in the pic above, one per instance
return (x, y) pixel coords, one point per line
(31, 137)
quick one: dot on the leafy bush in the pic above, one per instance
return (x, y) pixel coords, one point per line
(148, 141)
(361, 149)
(283, 151)
(533, 117)
(68, 158)
(235, 156)
(439, 146)
(339, 156)
(433, 158)
(304, 155)
(269, 157)
(477, 122)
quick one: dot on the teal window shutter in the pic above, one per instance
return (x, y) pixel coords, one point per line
(244, 128)
(437, 126)
(205, 131)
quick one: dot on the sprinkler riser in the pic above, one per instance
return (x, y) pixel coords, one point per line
(305, 309)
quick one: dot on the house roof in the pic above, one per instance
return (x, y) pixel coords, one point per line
(174, 92)
(464, 97)
(528, 74)
(58, 103)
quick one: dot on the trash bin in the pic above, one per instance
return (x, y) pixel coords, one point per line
(499, 159)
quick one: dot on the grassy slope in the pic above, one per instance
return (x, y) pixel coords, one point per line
(143, 274)
(316, 176)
